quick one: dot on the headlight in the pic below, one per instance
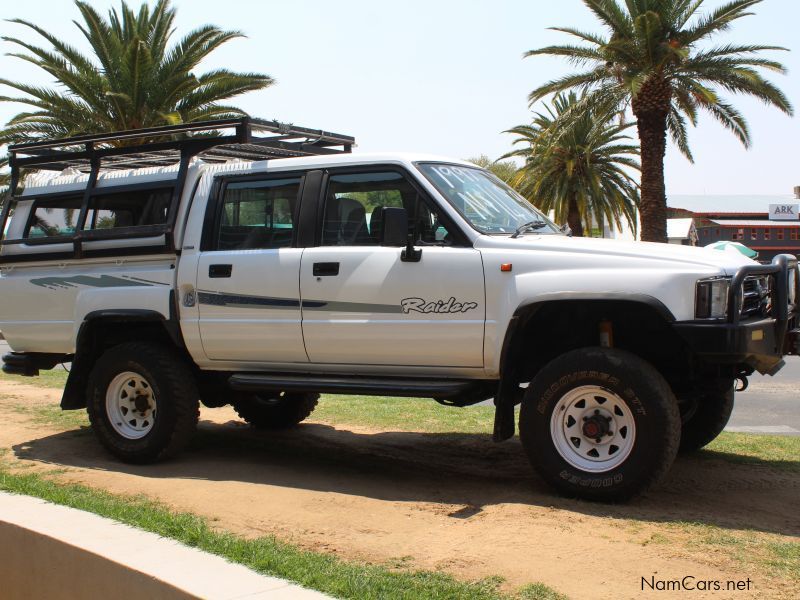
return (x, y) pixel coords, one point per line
(711, 298)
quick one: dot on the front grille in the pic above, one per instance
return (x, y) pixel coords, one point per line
(756, 300)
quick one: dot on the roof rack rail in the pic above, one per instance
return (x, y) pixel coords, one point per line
(216, 141)
(219, 140)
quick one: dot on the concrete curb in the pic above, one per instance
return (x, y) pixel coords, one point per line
(51, 551)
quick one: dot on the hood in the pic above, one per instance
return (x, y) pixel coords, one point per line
(670, 253)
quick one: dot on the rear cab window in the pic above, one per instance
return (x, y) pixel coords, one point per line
(258, 214)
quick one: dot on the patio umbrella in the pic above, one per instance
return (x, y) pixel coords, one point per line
(733, 247)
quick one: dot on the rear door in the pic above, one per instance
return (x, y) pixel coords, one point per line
(247, 280)
(362, 304)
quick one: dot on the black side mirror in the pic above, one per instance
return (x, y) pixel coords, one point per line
(395, 226)
(395, 233)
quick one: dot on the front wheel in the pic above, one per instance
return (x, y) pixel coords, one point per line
(142, 402)
(600, 424)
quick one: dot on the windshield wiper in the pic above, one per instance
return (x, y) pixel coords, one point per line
(526, 226)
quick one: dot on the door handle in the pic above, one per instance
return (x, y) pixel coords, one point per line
(325, 269)
(215, 271)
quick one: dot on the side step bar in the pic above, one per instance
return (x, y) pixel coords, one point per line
(331, 384)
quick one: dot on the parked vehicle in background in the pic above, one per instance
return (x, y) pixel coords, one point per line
(264, 267)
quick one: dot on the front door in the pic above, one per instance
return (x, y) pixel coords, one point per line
(247, 282)
(363, 305)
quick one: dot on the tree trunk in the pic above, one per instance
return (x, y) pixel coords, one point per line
(651, 107)
(653, 205)
(574, 218)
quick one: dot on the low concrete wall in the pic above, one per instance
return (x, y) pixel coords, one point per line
(35, 566)
(51, 551)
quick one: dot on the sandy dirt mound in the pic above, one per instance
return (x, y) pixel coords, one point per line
(452, 502)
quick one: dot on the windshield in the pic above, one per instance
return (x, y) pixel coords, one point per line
(486, 202)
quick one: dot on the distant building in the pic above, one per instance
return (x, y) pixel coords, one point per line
(769, 225)
(682, 231)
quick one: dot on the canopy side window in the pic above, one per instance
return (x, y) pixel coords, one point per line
(135, 208)
(54, 218)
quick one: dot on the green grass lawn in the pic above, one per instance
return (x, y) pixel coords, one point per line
(360, 580)
(748, 547)
(54, 378)
(403, 414)
(778, 451)
(425, 415)
(419, 414)
(268, 555)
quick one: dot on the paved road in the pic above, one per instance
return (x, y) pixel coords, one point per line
(769, 405)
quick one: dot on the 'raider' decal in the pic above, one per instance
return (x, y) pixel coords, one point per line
(439, 306)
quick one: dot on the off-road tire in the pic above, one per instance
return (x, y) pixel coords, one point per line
(275, 411)
(643, 395)
(710, 417)
(174, 387)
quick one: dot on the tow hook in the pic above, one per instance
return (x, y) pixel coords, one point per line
(743, 383)
(792, 343)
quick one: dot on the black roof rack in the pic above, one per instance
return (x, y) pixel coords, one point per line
(218, 140)
(215, 141)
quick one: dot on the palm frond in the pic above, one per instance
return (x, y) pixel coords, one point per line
(569, 82)
(575, 54)
(576, 158)
(585, 36)
(676, 127)
(135, 75)
(719, 20)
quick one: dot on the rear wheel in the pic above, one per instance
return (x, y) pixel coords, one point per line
(275, 411)
(142, 402)
(706, 416)
(600, 424)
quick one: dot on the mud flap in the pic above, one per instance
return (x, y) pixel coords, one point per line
(503, 422)
(503, 414)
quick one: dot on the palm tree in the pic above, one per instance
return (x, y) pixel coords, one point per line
(577, 165)
(504, 170)
(134, 77)
(655, 60)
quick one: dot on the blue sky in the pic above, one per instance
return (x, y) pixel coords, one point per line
(443, 76)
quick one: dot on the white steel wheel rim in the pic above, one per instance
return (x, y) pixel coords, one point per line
(131, 405)
(593, 429)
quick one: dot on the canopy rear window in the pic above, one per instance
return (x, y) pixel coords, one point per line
(135, 210)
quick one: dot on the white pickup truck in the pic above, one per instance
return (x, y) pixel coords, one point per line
(257, 264)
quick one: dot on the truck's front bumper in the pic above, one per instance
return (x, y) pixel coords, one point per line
(759, 343)
(756, 344)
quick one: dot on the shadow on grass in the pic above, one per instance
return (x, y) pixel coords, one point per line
(789, 467)
(467, 471)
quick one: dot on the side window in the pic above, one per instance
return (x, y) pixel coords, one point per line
(354, 204)
(258, 214)
(54, 218)
(137, 208)
(429, 229)
(112, 210)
